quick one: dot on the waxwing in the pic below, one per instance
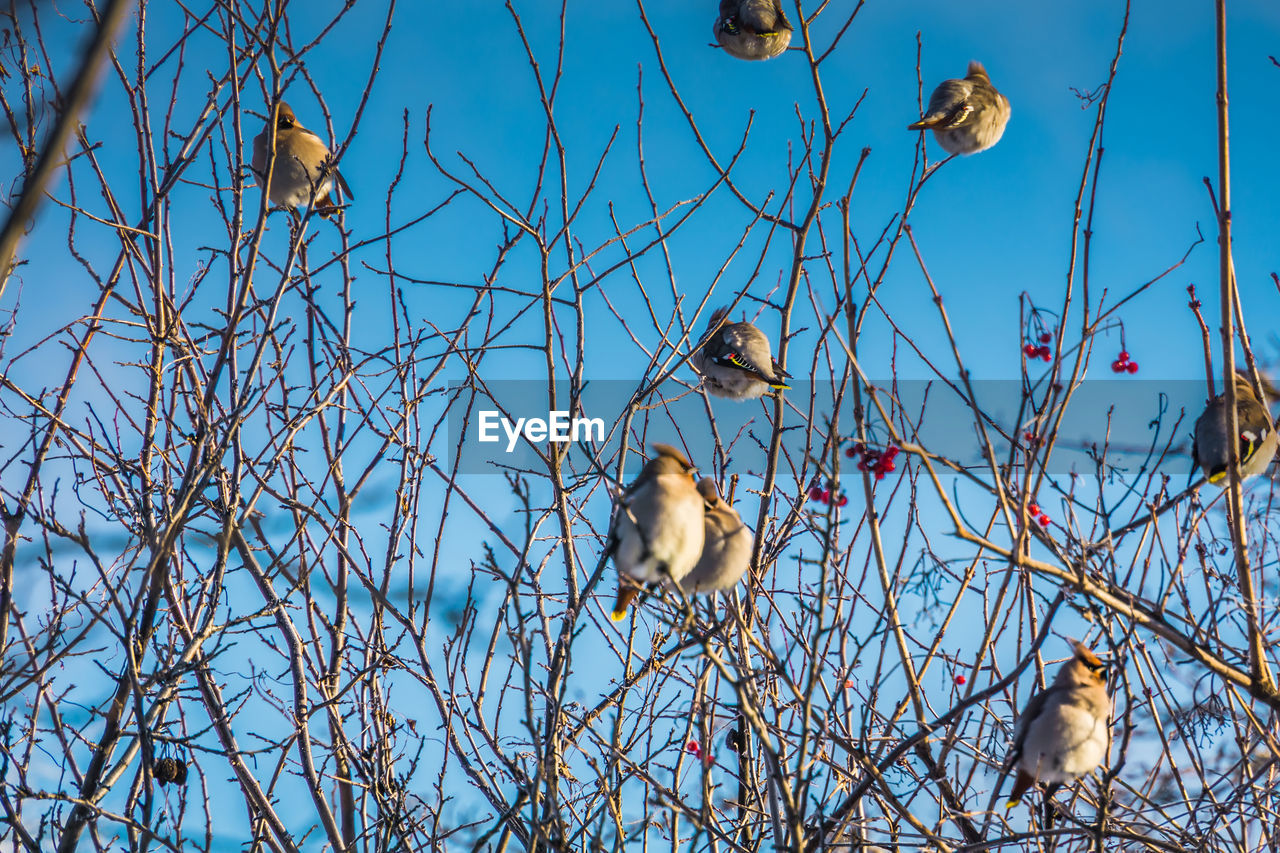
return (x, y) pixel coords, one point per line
(1064, 732)
(966, 116)
(752, 29)
(303, 168)
(726, 549)
(736, 361)
(1258, 442)
(658, 529)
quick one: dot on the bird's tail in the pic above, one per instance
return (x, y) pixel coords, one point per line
(927, 122)
(1025, 780)
(626, 594)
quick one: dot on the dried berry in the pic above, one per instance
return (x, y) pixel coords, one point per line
(166, 771)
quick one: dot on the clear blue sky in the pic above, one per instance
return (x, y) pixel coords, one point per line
(990, 226)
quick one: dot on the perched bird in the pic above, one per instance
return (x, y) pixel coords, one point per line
(726, 549)
(966, 116)
(1063, 733)
(752, 29)
(303, 170)
(736, 361)
(1258, 442)
(657, 532)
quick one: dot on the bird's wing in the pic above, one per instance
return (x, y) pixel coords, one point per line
(735, 350)
(782, 22)
(762, 17)
(1035, 707)
(347, 194)
(948, 106)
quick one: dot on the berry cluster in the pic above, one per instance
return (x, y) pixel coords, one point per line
(1041, 351)
(1122, 364)
(876, 461)
(695, 749)
(824, 496)
(1040, 517)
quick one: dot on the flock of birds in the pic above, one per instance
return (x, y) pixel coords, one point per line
(670, 530)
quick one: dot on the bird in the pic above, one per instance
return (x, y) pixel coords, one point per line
(752, 29)
(726, 547)
(658, 530)
(1258, 442)
(304, 170)
(966, 116)
(736, 361)
(1064, 732)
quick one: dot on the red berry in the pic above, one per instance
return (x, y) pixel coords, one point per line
(880, 474)
(1045, 337)
(850, 452)
(1033, 509)
(1118, 366)
(863, 466)
(1132, 367)
(1046, 353)
(1044, 521)
(858, 448)
(887, 466)
(844, 499)
(693, 747)
(848, 684)
(960, 679)
(891, 452)
(1123, 356)
(1030, 350)
(826, 496)
(1029, 437)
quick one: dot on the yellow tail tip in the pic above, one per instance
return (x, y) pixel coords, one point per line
(1012, 803)
(618, 615)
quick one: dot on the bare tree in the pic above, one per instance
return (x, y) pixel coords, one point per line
(261, 587)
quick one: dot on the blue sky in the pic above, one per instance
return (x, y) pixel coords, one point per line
(990, 226)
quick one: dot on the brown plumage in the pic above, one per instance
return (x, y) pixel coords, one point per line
(1064, 732)
(752, 29)
(303, 168)
(966, 116)
(657, 531)
(736, 360)
(1258, 442)
(726, 547)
